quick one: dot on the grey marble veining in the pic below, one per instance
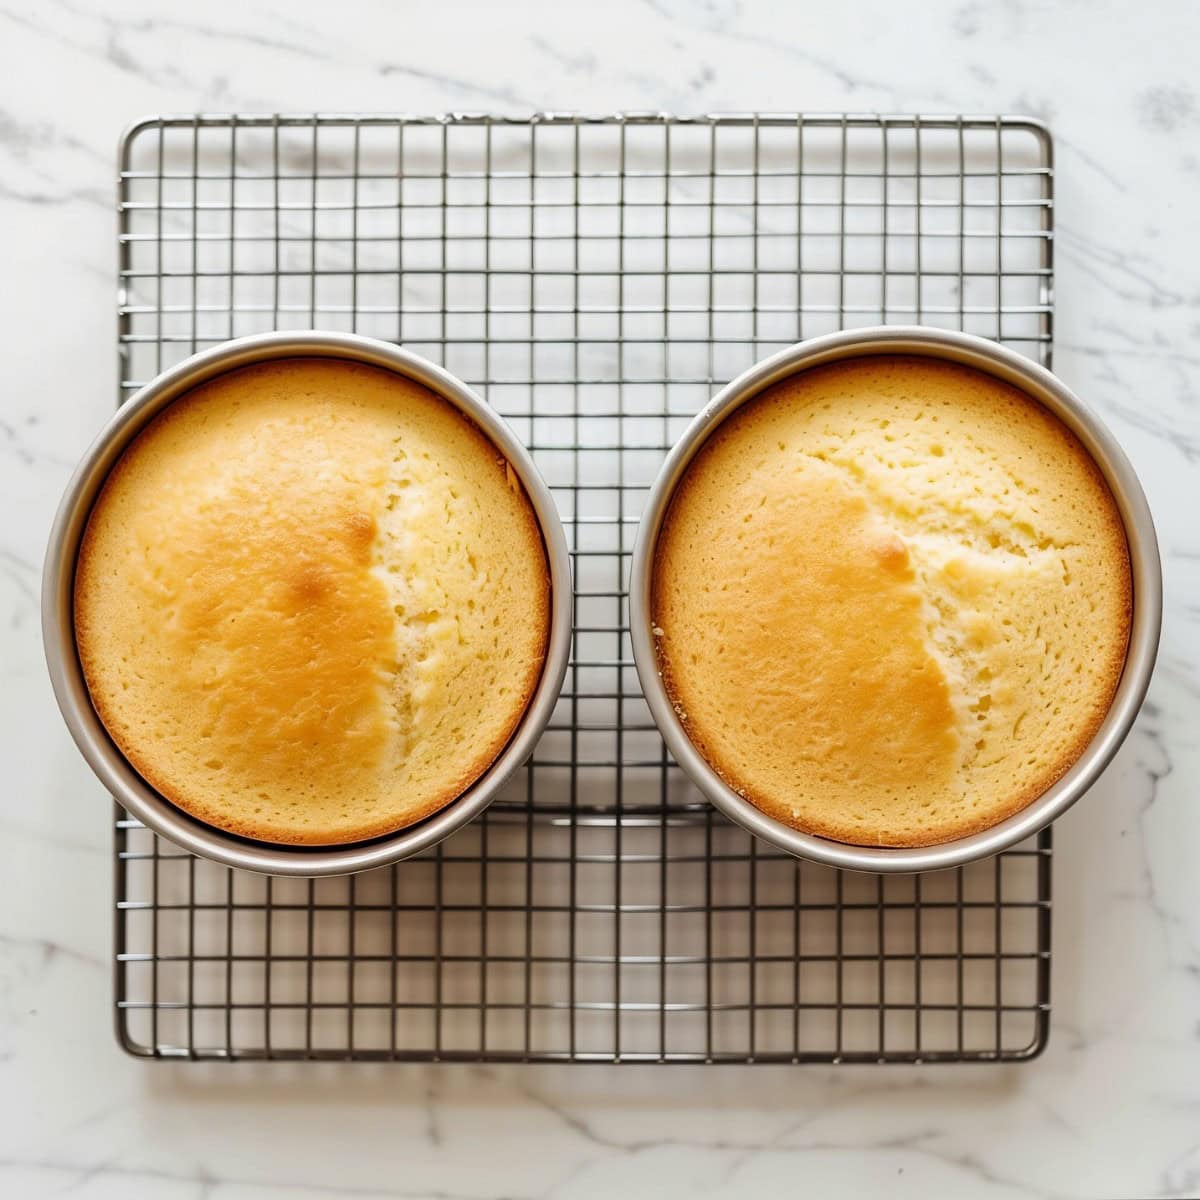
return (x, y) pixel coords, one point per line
(1112, 1109)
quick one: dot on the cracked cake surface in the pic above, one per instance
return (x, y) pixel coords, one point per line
(311, 602)
(891, 600)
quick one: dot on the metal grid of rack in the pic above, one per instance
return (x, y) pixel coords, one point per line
(596, 279)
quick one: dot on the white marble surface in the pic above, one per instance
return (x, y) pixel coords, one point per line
(1112, 1109)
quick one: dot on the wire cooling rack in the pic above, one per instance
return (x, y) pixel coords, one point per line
(596, 280)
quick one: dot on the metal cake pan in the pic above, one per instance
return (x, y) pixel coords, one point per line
(66, 673)
(1046, 389)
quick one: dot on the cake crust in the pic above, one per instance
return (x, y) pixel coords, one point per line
(891, 599)
(311, 602)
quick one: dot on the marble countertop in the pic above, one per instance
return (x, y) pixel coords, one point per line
(1111, 1109)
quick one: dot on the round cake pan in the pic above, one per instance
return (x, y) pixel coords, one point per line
(1043, 387)
(66, 674)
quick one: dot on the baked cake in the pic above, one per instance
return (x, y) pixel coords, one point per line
(312, 602)
(891, 600)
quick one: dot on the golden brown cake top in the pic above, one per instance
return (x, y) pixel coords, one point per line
(312, 602)
(892, 600)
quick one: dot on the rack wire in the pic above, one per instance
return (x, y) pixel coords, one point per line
(596, 279)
